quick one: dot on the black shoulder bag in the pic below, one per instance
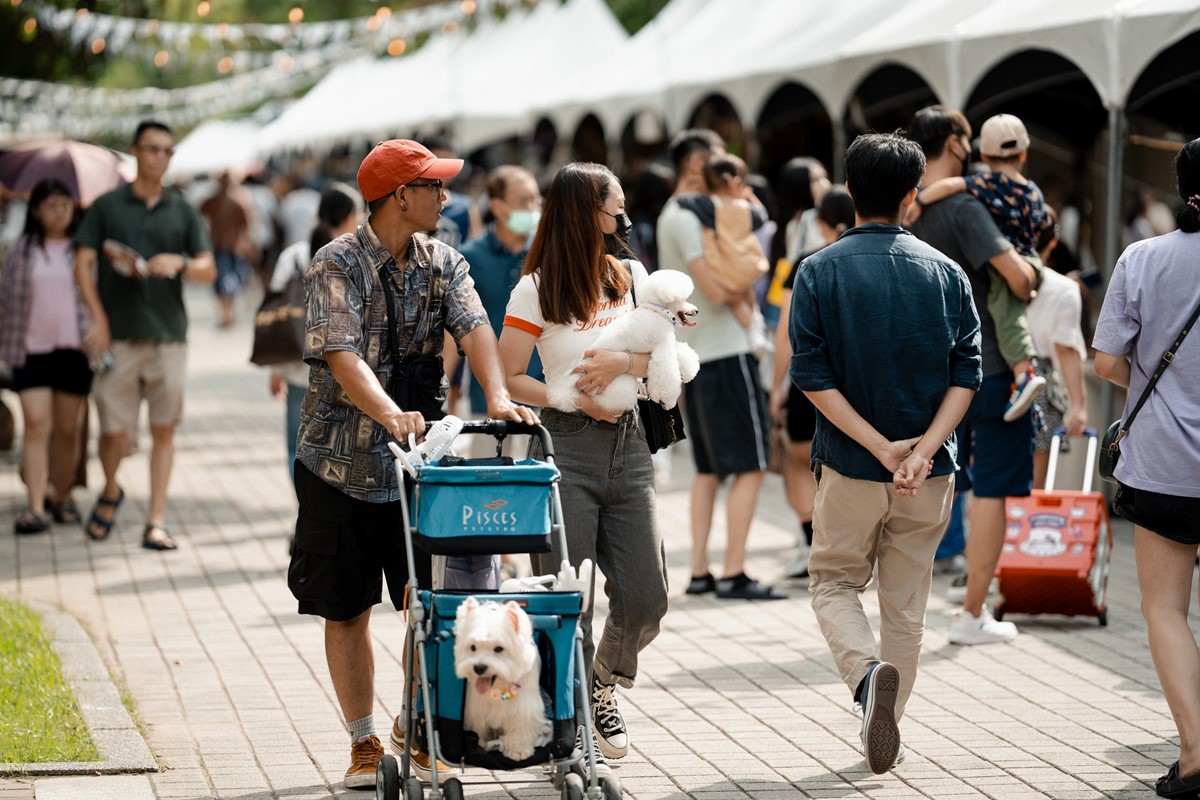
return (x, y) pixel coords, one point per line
(1110, 447)
(663, 426)
(279, 325)
(418, 382)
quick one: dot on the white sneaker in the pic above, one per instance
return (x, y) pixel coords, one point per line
(957, 591)
(984, 629)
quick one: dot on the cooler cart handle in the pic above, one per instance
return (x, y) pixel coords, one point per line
(507, 427)
(1052, 467)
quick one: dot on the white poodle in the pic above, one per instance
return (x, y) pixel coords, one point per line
(650, 328)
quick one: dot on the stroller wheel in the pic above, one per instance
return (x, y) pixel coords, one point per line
(611, 787)
(452, 789)
(387, 779)
(572, 787)
(413, 789)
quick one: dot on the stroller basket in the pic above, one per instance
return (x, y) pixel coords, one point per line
(555, 617)
(461, 510)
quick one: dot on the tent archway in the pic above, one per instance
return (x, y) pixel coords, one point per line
(793, 122)
(1166, 94)
(588, 143)
(717, 113)
(643, 137)
(885, 99)
(543, 142)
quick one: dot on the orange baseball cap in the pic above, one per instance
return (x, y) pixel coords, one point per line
(393, 163)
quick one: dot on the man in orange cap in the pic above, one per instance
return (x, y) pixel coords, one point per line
(379, 301)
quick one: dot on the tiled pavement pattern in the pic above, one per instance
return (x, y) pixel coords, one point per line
(735, 699)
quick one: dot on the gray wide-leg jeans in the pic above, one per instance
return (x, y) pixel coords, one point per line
(609, 504)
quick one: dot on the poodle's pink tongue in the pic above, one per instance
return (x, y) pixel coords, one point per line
(484, 685)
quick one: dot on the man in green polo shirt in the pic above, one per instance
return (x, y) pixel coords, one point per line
(134, 247)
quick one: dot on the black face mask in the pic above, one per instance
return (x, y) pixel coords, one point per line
(624, 226)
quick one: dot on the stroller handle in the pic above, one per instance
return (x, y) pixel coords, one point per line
(506, 427)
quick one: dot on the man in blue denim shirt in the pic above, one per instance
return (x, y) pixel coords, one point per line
(885, 342)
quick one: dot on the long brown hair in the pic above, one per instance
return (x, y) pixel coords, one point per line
(568, 253)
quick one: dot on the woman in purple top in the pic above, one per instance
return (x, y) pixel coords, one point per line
(1152, 293)
(42, 324)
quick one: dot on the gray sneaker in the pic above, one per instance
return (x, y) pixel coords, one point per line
(880, 733)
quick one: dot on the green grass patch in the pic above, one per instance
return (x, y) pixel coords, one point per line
(39, 716)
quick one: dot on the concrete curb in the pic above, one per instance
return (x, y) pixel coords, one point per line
(122, 748)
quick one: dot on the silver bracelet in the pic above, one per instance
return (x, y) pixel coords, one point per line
(629, 368)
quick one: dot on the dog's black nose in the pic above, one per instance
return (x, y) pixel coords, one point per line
(480, 669)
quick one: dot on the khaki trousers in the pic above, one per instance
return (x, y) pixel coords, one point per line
(856, 525)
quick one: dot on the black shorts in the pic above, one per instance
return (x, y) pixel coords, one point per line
(344, 548)
(61, 370)
(1171, 517)
(727, 420)
(801, 416)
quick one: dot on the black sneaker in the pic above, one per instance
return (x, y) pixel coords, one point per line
(702, 585)
(880, 733)
(607, 722)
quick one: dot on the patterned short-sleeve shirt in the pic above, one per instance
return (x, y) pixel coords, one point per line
(1017, 209)
(346, 310)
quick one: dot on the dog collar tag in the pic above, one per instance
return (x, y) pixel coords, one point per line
(664, 311)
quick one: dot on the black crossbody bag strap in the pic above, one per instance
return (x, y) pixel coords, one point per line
(1167, 358)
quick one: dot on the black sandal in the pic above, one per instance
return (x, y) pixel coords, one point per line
(98, 528)
(30, 522)
(1178, 788)
(160, 542)
(66, 512)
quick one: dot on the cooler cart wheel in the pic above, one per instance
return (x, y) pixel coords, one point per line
(572, 787)
(387, 779)
(1103, 617)
(452, 789)
(998, 613)
(611, 787)
(413, 789)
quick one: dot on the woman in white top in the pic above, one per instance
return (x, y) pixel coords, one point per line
(572, 286)
(339, 213)
(42, 325)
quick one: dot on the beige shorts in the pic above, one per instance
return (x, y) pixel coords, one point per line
(142, 370)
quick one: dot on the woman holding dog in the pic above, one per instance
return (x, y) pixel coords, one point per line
(572, 286)
(1152, 293)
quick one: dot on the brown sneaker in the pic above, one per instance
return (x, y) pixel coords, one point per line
(364, 757)
(419, 758)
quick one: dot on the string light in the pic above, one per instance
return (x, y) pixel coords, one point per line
(286, 63)
(30, 27)
(98, 46)
(296, 15)
(203, 8)
(467, 7)
(161, 58)
(225, 64)
(449, 27)
(396, 47)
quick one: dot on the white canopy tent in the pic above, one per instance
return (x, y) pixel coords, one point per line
(213, 147)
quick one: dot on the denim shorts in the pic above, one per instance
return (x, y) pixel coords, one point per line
(996, 457)
(1170, 516)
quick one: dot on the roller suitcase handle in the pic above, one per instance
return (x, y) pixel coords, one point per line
(1056, 442)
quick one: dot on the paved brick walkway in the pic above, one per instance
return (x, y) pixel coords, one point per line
(735, 699)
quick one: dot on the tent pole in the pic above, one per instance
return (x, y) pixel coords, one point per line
(1112, 225)
(838, 168)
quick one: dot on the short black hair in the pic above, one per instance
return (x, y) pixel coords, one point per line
(881, 168)
(933, 125)
(151, 125)
(694, 140)
(1187, 176)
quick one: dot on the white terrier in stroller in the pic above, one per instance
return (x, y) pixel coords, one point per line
(495, 653)
(650, 328)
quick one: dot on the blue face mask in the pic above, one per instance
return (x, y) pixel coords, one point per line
(523, 222)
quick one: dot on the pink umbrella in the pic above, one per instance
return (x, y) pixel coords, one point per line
(87, 170)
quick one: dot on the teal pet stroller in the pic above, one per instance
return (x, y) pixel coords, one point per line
(478, 507)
